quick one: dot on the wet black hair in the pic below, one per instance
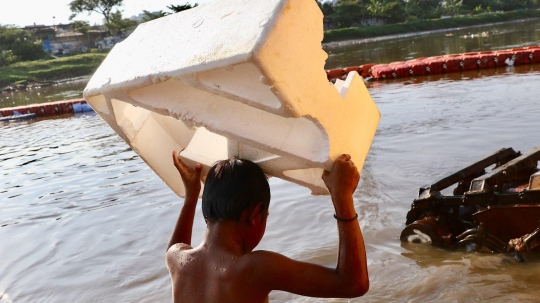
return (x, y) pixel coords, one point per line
(232, 186)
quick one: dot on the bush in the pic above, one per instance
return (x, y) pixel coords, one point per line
(21, 45)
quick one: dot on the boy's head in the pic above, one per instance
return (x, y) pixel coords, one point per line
(233, 186)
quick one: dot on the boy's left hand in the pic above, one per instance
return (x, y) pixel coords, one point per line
(190, 177)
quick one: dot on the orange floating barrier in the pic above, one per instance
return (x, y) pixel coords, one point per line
(401, 69)
(452, 63)
(444, 64)
(501, 57)
(5, 113)
(486, 60)
(435, 65)
(337, 73)
(521, 56)
(535, 55)
(347, 70)
(469, 61)
(418, 67)
(366, 70)
(381, 71)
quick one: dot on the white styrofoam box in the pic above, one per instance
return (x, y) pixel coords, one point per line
(234, 78)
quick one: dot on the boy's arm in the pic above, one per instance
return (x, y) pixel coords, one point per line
(350, 277)
(192, 183)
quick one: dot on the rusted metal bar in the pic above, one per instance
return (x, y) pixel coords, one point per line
(475, 169)
(516, 169)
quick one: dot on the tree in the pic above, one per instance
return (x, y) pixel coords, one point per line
(326, 7)
(148, 16)
(423, 9)
(452, 7)
(18, 45)
(103, 7)
(183, 7)
(390, 11)
(81, 27)
(118, 24)
(348, 13)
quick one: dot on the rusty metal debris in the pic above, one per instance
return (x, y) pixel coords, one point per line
(497, 208)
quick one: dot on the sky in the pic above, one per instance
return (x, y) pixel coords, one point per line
(49, 12)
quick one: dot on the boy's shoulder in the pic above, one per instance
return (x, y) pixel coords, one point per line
(178, 247)
(176, 254)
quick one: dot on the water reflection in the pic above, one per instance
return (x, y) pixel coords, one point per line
(65, 91)
(502, 36)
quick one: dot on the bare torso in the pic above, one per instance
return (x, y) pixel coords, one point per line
(203, 275)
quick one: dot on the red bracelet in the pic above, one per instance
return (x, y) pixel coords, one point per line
(346, 220)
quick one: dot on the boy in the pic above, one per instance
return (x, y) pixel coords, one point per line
(224, 268)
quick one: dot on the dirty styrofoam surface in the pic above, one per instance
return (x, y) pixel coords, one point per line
(234, 78)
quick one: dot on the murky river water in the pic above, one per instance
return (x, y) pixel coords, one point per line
(83, 219)
(65, 91)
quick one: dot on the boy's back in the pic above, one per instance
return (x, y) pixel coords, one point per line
(224, 268)
(204, 275)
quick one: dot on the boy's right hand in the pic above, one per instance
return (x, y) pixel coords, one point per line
(190, 177)
(343, 179)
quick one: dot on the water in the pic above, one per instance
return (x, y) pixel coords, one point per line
(64, 91)
(83, 219)
(485, 38)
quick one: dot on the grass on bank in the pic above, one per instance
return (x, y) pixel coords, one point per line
(52, 69)
(424, 25)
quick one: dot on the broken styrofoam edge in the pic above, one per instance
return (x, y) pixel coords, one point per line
(235, 78)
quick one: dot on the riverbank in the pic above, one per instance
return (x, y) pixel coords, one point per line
(47, 72)
(424, 26)
(24, 75)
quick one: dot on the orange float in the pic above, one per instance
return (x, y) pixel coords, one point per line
(366, 70)
(417, 67)
(486, 60)
(381, 71)
(469, 61)
(521, 56)
(337, 73)
(400, 69)
(452, 63)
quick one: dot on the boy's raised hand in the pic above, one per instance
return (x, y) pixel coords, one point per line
(343, 178)
(190, 177)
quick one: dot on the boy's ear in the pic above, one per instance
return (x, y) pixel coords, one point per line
(255, 214)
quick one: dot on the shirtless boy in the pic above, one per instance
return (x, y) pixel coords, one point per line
(224, 268)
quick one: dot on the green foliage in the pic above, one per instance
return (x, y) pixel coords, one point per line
(390, 11)
(7, 57)
(452, 7)
(18, 45)
(103, 7)
(425, 25)
(348, 13)
(327, 8)
(81, 26)
(354, 13)
(182, 7)
(148, 16)
(118, 24)
(41, 70)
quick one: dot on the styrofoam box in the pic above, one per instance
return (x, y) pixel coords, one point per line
(234, 78)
